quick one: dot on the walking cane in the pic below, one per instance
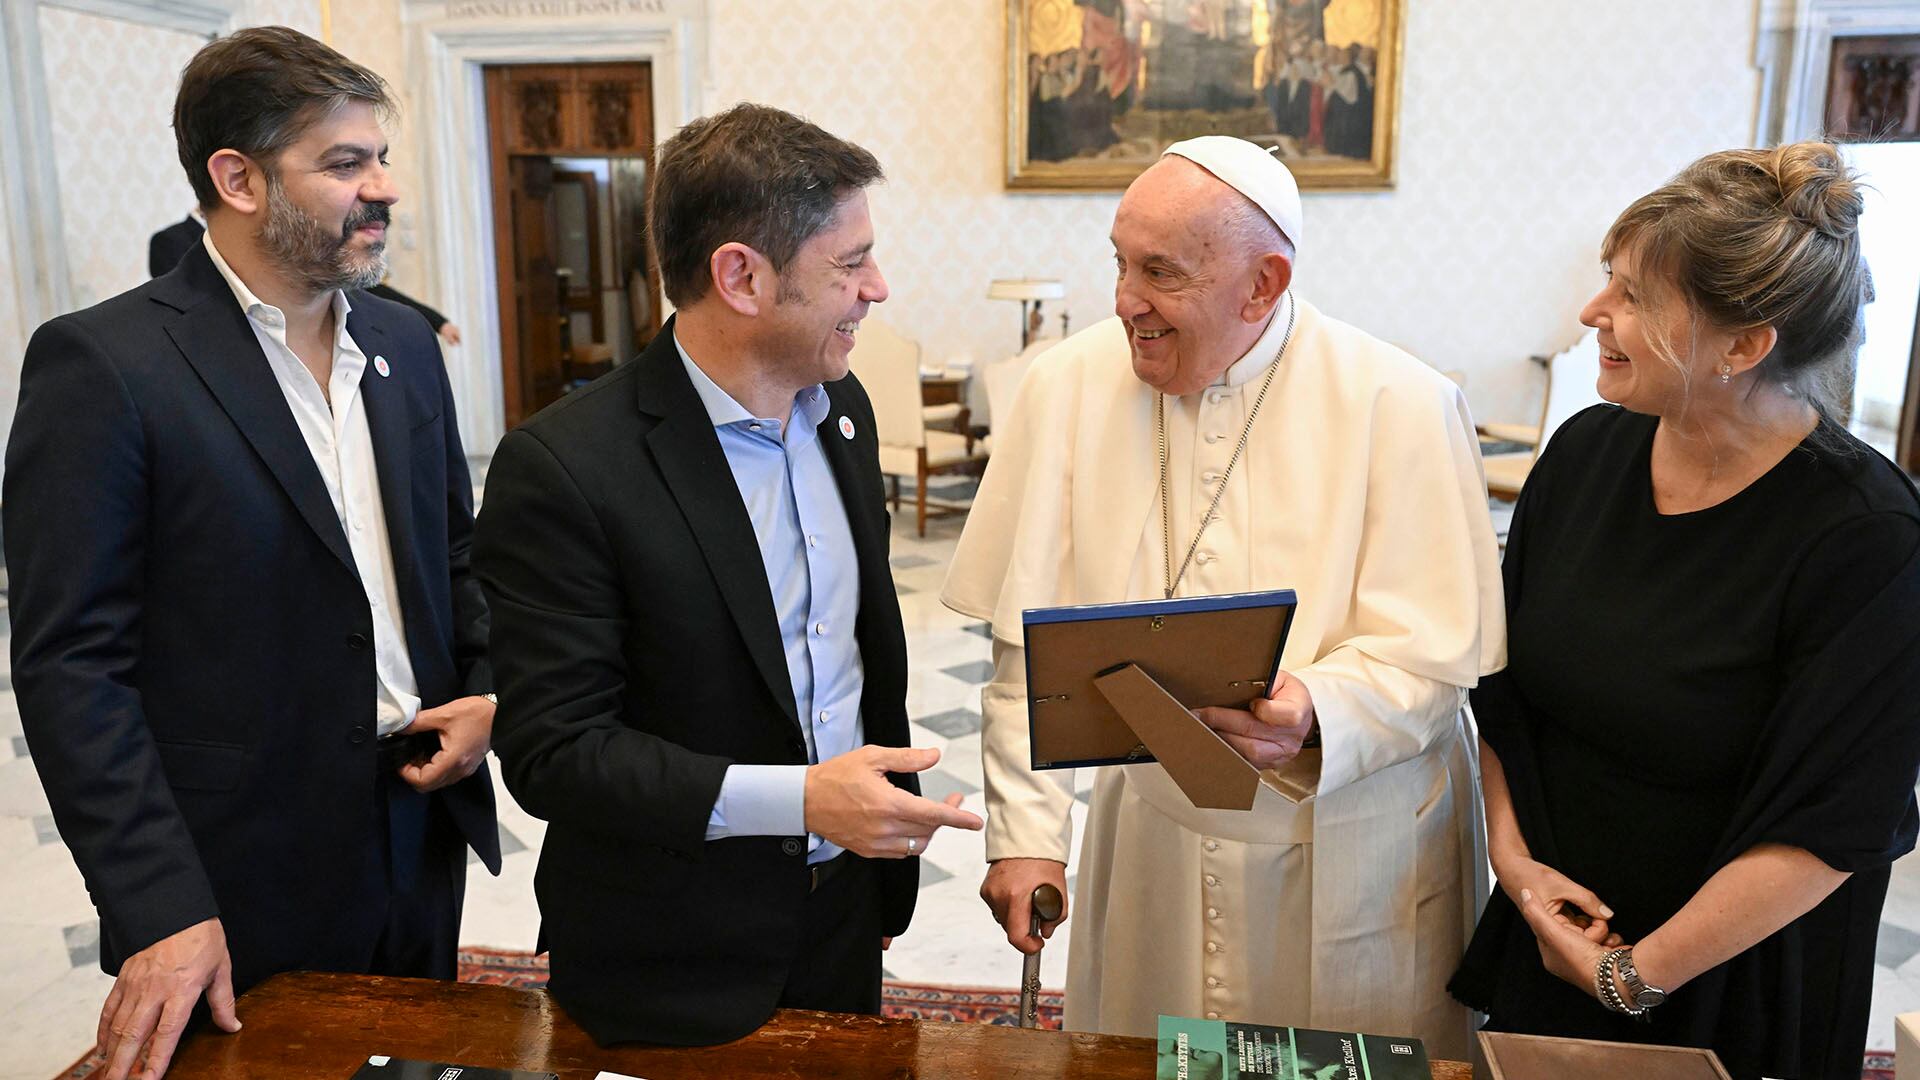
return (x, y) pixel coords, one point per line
(1046, 908)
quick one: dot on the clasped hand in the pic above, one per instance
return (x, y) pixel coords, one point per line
(1572, 925)
(465, 726)
(850, 802)
(1270, 730)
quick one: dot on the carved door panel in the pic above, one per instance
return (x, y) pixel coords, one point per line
(546, 111)
(616, 104)
(536, 285)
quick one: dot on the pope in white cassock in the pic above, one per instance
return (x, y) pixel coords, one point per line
(1293, 451)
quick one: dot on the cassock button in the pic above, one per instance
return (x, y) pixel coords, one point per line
(1212, 983)
(1212, 845)
(1213, 946)
(1211, 880)
(1213, 913)
(1213, 1016)
(790, 846)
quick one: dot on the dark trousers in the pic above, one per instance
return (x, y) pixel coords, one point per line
(426, 868)
(838, 966)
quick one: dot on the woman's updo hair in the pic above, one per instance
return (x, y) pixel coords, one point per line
(1764, 236)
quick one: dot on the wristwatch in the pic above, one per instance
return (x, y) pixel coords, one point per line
(1644, 996)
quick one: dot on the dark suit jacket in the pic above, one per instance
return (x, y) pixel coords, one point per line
(638, 654)
(168, 246)
(192, 647)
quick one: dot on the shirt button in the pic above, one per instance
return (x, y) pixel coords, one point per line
(1213, 913)
(820, 629)
(813, 540)
(753, 427)
(823, 716)
(790, 846)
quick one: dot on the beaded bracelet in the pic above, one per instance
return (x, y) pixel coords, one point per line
(1609, 994)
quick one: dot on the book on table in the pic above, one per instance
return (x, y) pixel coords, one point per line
(384, 1067)
(1192, 1049)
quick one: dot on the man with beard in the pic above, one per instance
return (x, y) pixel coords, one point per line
(249, 656)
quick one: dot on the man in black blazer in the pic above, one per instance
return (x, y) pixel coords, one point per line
(701, 665)
(237, 523)
(168, 246)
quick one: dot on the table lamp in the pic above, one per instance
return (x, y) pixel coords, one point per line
(1027, 291)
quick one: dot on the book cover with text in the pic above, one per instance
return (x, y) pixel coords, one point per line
(1191, 1049)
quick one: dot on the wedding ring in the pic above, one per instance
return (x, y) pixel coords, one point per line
(913, 843)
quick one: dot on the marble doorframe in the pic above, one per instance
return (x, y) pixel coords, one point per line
(445, 52)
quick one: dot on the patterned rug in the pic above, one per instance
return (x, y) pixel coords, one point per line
(905, 1000)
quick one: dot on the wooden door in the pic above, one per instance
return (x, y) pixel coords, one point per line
(536, 112)
(536, 286)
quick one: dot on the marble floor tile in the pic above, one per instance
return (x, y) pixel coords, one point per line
(53, 1025)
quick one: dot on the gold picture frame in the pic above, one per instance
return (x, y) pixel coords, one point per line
(1097, 89)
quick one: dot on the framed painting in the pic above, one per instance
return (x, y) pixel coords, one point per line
(1096, 89)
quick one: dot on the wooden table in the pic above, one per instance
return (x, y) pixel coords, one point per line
(309, 1026)
(943, 389)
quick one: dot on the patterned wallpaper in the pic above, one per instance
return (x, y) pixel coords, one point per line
(110, 90)
(1526, 126)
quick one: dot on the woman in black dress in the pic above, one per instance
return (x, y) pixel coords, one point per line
(1700, 760)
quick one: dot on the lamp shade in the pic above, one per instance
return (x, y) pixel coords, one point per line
(1026, 289)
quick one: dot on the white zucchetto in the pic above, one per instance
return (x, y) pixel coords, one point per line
(1253, 172)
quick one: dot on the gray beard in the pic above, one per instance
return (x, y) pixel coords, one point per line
(307, 254)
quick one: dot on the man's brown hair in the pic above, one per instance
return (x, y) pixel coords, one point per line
(257, 91)
(753, 175)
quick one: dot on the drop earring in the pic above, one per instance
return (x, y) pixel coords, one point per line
(1726, 373)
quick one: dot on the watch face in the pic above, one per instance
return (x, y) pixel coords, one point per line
(1648, 998)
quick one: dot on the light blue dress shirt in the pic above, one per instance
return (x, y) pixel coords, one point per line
(813, 572)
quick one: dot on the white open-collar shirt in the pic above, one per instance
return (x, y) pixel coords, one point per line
(342, 447)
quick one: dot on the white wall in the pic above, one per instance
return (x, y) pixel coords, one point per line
(1527, 125)
(111, 86)
(13, 337)
(1887, 229)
